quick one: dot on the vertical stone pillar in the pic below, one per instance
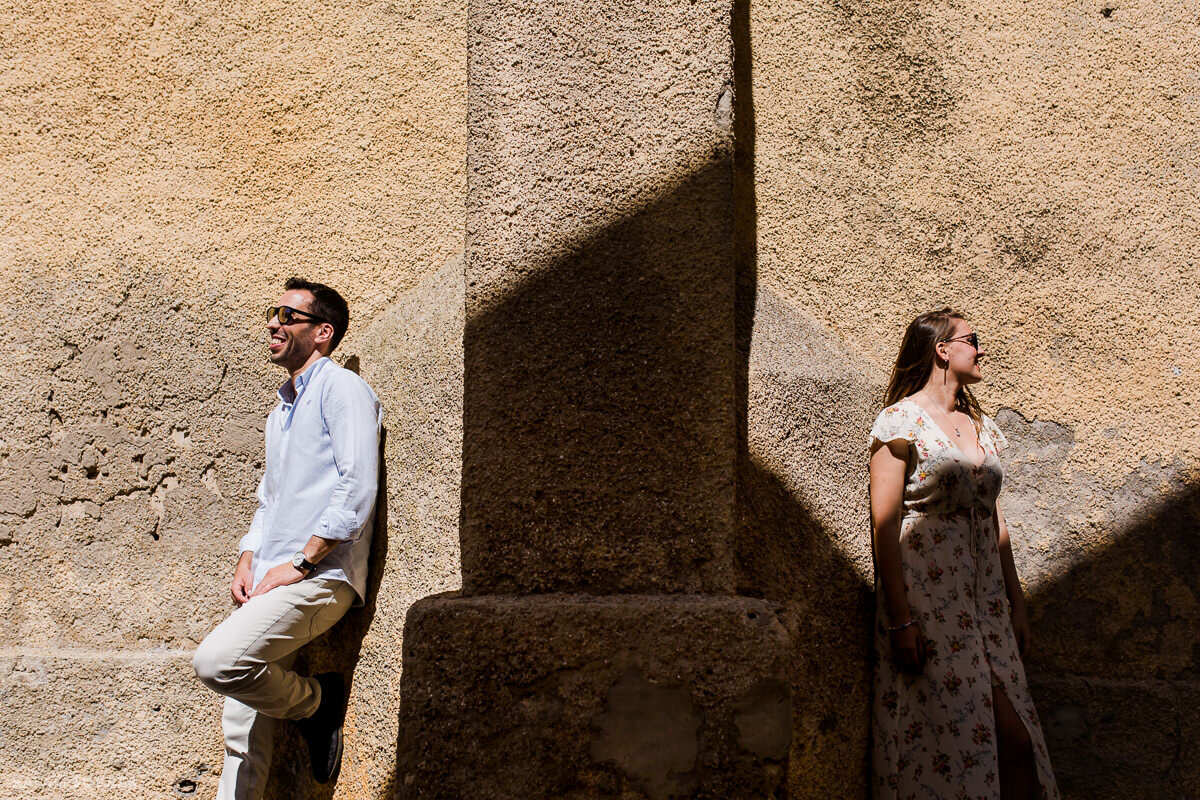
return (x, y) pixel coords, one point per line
(598, 648)
(598, 409)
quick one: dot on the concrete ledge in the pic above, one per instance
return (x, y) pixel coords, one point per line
(84, 723)
(568, 696)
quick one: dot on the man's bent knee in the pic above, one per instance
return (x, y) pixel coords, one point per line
(217, 669)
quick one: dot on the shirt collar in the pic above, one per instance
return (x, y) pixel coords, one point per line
(288, 394)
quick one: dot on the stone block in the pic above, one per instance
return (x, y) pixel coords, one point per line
(567, 696)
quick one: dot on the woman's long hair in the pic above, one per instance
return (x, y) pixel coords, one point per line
(914, 362)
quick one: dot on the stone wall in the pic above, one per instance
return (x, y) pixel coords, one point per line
(165, 166)
(1032, 165)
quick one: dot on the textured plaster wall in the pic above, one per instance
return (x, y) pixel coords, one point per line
(598, 446)
(1033, 165)
(801, 493)
(163, 167)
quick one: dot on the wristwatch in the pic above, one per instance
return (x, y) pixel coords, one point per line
(303, 564)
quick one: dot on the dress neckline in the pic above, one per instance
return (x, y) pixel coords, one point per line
(978, 440)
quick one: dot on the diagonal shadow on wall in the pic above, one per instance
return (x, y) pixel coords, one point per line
(784, 550)
(597, 409)
(788, 555)
(1116, 670)
(603, 409)
(620, 328)
(599, 327)
(596, 391)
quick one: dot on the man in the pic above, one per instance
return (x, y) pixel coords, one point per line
(304, 561)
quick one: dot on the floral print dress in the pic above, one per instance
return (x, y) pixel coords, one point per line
(934, 733)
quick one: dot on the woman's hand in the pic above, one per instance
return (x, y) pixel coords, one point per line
(909, 649)
(888, 466)
(1022, 630)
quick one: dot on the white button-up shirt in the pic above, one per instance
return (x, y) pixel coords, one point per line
(321, 476)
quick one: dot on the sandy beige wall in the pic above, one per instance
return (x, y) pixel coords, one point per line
(1028, 164)
(163, 168)
(1032, 164)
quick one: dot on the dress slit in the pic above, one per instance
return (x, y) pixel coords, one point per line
(999, 688)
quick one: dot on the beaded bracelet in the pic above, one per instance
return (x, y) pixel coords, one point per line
(899, 628)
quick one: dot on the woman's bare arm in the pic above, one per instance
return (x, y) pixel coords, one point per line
(1012, 586)
(888, 467)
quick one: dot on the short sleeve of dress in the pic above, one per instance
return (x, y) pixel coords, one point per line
(995, 434)
(893, 423)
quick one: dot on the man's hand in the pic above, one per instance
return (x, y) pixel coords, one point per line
(243, 578)
(281, 575)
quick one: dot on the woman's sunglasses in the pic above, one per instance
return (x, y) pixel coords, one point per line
(970, 338)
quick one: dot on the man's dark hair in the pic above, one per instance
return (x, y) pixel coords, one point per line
(327, 304)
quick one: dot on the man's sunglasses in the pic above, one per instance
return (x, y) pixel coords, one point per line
(970, 338)
(288, 315)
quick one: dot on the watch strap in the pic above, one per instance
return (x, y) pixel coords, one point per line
(300, 562)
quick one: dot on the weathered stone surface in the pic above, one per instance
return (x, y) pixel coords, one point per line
(1129, 606)
(83, 723)
(1126, 610)
(910, 156)
(560, 696)
(804, 539)
(163, 168)
(1032, 166)
(598, 412)
(599, 446)
(1122, 739)
(79, 720)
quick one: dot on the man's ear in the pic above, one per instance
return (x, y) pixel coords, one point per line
(324, 336)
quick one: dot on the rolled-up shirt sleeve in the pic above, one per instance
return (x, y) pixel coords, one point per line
(352, 417)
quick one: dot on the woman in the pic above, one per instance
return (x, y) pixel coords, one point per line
(952, 716)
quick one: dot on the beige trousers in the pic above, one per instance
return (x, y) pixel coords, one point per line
(248, 658)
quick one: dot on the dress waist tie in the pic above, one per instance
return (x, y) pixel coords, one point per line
(974, 512)
(976, 515)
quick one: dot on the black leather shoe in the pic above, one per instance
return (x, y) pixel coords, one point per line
(323, 730)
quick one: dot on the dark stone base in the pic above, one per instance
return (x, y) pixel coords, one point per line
(1121, 739)
(567, 696)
